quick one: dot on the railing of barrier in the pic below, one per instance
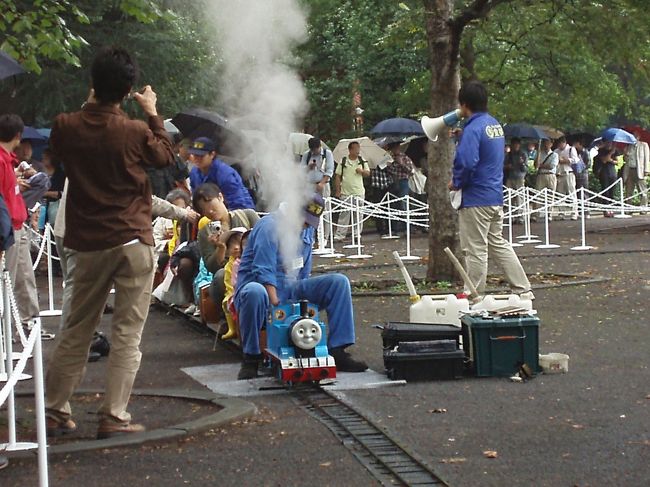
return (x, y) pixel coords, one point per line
(10, 375)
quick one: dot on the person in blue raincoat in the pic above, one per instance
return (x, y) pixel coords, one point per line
(263, 282)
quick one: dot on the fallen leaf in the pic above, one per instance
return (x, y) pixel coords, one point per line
(438, 410)
(453, 460)
(325, 464)
(577, 426)
(490, 454)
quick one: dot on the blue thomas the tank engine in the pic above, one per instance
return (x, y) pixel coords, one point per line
(297, 344)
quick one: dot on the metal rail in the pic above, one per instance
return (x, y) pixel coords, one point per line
(386, 460)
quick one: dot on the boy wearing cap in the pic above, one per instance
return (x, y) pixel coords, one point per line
(208, 168)
(263, 282)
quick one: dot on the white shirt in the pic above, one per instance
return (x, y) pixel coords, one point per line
(571, 154)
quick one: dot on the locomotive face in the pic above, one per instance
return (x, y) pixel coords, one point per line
(306, 333)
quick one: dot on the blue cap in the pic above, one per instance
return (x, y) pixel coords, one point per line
(314, 210)
(201, 146)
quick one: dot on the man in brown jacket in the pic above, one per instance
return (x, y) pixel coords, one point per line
(108, 238)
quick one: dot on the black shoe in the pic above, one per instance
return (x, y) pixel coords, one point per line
(4, 462)
(249, 367)
(345, 362)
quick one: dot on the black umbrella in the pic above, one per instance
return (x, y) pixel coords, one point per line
(9, 66)
(197, 122)
(523, 131)
(398, 126)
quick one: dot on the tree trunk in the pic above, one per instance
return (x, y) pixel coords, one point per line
(443, 42)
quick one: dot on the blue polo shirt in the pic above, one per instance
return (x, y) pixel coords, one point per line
(478, 165)
(262, 261)
(230, 183)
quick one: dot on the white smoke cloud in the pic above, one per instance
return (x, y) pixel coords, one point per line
(255, 39)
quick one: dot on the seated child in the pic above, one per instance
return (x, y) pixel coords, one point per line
(234, 240)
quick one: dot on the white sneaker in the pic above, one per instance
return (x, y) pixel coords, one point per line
(190, 310)
(527, 295)
(574, 217)
(339, 238)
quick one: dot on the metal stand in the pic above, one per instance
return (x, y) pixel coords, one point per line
(357, 212)
(583, 223)
(390, 235)
(622, 213)
(51, 311)
(546, 245)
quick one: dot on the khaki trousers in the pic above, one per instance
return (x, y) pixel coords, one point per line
(517, 200)
(89, 280)
(481, 236)
(633, 182)
(344, 216)
(19, 264)
(545, 181)
(566, 184)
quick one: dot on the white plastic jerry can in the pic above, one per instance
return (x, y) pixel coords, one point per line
(438, 310)
(493, 302)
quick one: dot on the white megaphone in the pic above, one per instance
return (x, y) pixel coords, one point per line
(433, 126)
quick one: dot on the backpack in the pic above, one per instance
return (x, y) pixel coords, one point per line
(364, 164)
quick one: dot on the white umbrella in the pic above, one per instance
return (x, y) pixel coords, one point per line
(170, 127)
(370, 152)
(298, 142)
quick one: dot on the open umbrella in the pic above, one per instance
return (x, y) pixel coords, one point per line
(9, 66)
(298, 141)
(613, 134)
(33, 135)
(642, 133)
(553, 133)
(370, 152)
(197, 122)
(170, 127)
(523, 131)
(398, 126)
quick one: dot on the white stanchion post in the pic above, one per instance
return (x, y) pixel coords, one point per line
(390, 235)
(359, 222)
(39, 396)
(322, 248)
(512, 244)
(527, 237)
(50, 274)
(583, 224)
(408, 255)
(6, 322)
(547, 244)
(621, 189)
(333, 254)
(353, 227)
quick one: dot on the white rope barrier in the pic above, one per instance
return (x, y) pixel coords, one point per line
(33, 346)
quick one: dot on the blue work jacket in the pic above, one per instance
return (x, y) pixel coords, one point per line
(262, 260)
(230, 183)
(478, 165)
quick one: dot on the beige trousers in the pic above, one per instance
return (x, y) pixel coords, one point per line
(19, 264)
(89, 280)
(517, 200)
(545, 181)
(344, 216)
(633, 182)
(481, 236)
(566, 184)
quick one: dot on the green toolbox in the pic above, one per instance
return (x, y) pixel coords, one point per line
(501, 345)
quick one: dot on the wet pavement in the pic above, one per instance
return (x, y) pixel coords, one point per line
(589, 427)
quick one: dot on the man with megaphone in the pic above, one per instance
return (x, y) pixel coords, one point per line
(478, 174)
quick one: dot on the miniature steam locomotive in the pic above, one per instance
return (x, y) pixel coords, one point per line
(297, 344)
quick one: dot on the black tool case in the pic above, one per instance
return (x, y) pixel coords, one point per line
(421, 351)
(424, 365)
(395, 332)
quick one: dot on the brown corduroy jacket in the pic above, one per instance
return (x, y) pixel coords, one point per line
(109, 195)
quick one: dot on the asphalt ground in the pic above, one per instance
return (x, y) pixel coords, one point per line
(590, 427)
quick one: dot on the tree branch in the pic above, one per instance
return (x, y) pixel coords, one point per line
(478, 9)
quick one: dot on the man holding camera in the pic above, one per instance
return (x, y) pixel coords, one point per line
(108, 240)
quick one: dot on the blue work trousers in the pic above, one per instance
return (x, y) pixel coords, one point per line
(330, 291)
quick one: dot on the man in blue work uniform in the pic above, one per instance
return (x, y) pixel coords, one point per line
(209, 169)
(478, 172)
(263, 282)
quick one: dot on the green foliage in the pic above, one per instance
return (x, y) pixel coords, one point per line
(171, 48)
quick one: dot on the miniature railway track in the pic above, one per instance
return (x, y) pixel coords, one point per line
(386, 460)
